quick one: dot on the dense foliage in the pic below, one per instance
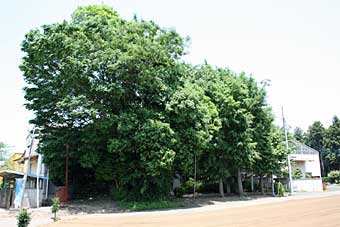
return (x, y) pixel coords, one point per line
(327, 142)
(334, 176)
(134, 114)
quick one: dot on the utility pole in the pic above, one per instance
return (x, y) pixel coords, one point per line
(195, 170)
(38, 180)
(66, 174)
(288, 158)
(18, 202)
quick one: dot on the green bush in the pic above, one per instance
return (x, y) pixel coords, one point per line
(24, 218)
(334, 176)
(279, 189)
(209, 187)
(55, 208)
(188, 187)
(325, 179)
(118, 194)
(179, 192)
(297, 173)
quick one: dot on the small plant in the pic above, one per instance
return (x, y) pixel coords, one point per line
(55, 208)
(24, 218)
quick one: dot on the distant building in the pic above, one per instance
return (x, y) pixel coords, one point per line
(37, 187)
(11, 164)
(306, 159)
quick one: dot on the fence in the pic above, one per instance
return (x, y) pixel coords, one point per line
(6, 198)
(307, 185)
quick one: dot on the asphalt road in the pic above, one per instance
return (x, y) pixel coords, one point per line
(318, 212)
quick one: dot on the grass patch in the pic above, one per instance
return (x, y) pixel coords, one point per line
(150, 205)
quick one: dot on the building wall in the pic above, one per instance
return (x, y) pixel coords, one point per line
(307, 185)
(33, 165)
(309, 163)
(30, 198)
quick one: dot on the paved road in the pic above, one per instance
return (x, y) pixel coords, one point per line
(318, 212)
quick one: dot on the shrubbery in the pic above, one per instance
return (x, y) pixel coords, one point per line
(188, 187)
(334, 176)
(297, 173)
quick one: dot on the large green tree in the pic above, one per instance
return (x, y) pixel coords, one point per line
(84, 75)
(332, 144)
(299, 135)
(132, 112)
(315, 138)
(235, 96)
(272, 155)
(194, 118)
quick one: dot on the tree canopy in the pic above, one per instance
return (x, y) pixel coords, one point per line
(134, 113)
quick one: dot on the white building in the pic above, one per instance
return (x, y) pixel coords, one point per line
(307, 160)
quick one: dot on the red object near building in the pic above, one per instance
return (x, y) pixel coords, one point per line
(61, 193)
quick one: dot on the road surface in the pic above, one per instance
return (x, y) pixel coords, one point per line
(318, 212)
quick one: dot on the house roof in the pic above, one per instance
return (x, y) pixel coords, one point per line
(28, 150)
(301, 148)
(17, 174)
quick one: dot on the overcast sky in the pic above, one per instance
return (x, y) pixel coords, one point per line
(294, 43)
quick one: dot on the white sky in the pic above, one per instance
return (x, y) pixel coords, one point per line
(294, 43)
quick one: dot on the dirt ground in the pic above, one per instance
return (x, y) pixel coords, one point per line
(318, 212)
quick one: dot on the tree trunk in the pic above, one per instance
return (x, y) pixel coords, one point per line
(252, 183)
(261, 184)
(228, 188)
(221, 189)
(322, 164)
(239, 181)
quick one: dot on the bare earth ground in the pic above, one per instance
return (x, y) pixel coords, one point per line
(302, 209)
(318, 212)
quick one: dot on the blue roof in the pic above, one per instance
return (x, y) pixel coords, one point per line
(18, 174)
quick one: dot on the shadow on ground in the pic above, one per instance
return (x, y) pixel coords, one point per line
(107, 205)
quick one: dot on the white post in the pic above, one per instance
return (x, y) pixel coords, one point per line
(252, 183)
(46, 196)
(273, 187)
(38, 185)
(288, 158)
(19, 199)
